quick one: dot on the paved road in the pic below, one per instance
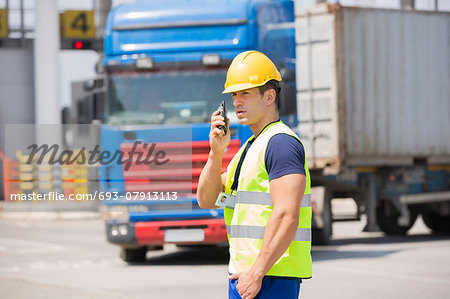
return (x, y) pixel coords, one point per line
(371, 265)
(71, 259)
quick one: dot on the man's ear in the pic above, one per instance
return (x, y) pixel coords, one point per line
(271, 96)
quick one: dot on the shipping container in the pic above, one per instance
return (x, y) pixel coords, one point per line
(373, 86)
(373, 104)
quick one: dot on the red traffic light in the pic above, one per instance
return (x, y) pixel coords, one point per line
(78, 44)
(81, 44)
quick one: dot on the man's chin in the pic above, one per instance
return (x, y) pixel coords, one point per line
(243, 121)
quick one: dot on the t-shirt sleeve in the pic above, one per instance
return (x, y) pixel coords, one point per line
(284, 155)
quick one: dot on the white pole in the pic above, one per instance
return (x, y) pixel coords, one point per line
(46, 63)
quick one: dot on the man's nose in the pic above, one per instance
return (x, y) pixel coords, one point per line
(236, 100)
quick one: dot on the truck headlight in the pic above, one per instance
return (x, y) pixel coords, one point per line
(211, 59)
(144, 63)
(118, 213)
(114, 231)
(123, 230)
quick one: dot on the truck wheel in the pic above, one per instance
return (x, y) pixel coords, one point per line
(436, 222)
(388, 221)
(133, 255)
(321, 236)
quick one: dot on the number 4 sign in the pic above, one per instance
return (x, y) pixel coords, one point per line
(78, 24)
(3, 23)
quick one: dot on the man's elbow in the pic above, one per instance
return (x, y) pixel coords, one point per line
(288, 217)
(203, 203)
(206, 206)
(291, 220)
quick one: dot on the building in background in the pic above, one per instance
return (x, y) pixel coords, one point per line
(16, 58)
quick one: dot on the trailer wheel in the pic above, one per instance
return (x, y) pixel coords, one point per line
(133, 255)
(436, 222)
(388, 221)
(321, 236)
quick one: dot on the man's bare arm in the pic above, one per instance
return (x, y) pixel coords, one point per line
(211, 183)
(286, 192)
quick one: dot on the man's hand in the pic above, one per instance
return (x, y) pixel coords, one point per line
(217, 140)
(248, 284)
(210, 182)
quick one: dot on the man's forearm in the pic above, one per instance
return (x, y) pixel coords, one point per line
(210, 181)
(278, 235)
(287, 193)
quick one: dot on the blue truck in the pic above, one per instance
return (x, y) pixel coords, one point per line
(166, 64)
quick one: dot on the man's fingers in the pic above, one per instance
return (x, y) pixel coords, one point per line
(215, 113)
(217, 122)
(214, 126)
(247, 294)
(234, 276)
(217, 132)
(243, 293)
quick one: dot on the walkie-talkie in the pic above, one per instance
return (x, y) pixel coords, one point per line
(223, 113)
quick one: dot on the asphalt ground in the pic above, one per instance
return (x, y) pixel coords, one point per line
(54, 258)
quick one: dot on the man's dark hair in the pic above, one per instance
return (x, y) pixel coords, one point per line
(275, 85)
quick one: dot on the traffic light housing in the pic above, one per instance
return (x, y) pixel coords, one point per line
(82, 44)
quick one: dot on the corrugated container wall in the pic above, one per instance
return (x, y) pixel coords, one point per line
(373, 85)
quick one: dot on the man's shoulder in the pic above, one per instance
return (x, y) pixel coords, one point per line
(282, 142)
(284, 155)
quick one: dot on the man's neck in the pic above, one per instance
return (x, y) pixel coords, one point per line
(258, 127)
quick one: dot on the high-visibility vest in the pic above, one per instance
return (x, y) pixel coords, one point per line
(247, 215)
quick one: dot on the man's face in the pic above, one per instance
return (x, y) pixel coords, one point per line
(250, 105)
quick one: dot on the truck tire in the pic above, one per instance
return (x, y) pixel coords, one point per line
(388, 222)
(436, 222)
(133, 255)
(321, 236)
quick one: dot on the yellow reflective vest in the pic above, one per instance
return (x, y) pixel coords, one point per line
(247, 215)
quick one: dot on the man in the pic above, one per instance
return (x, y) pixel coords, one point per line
(267, 208)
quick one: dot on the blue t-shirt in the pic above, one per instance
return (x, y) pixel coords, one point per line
(284, 155)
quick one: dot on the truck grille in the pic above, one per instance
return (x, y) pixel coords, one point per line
(180, 166)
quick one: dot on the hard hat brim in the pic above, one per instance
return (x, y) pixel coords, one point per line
(243, 86)
(239, 87)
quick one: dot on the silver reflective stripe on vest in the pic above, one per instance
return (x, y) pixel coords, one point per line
(306, 201)
(257, 232)
(262, 198)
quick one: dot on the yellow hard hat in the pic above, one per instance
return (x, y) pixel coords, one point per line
(250, 69)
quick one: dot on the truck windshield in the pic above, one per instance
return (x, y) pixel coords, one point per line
(164, 97)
